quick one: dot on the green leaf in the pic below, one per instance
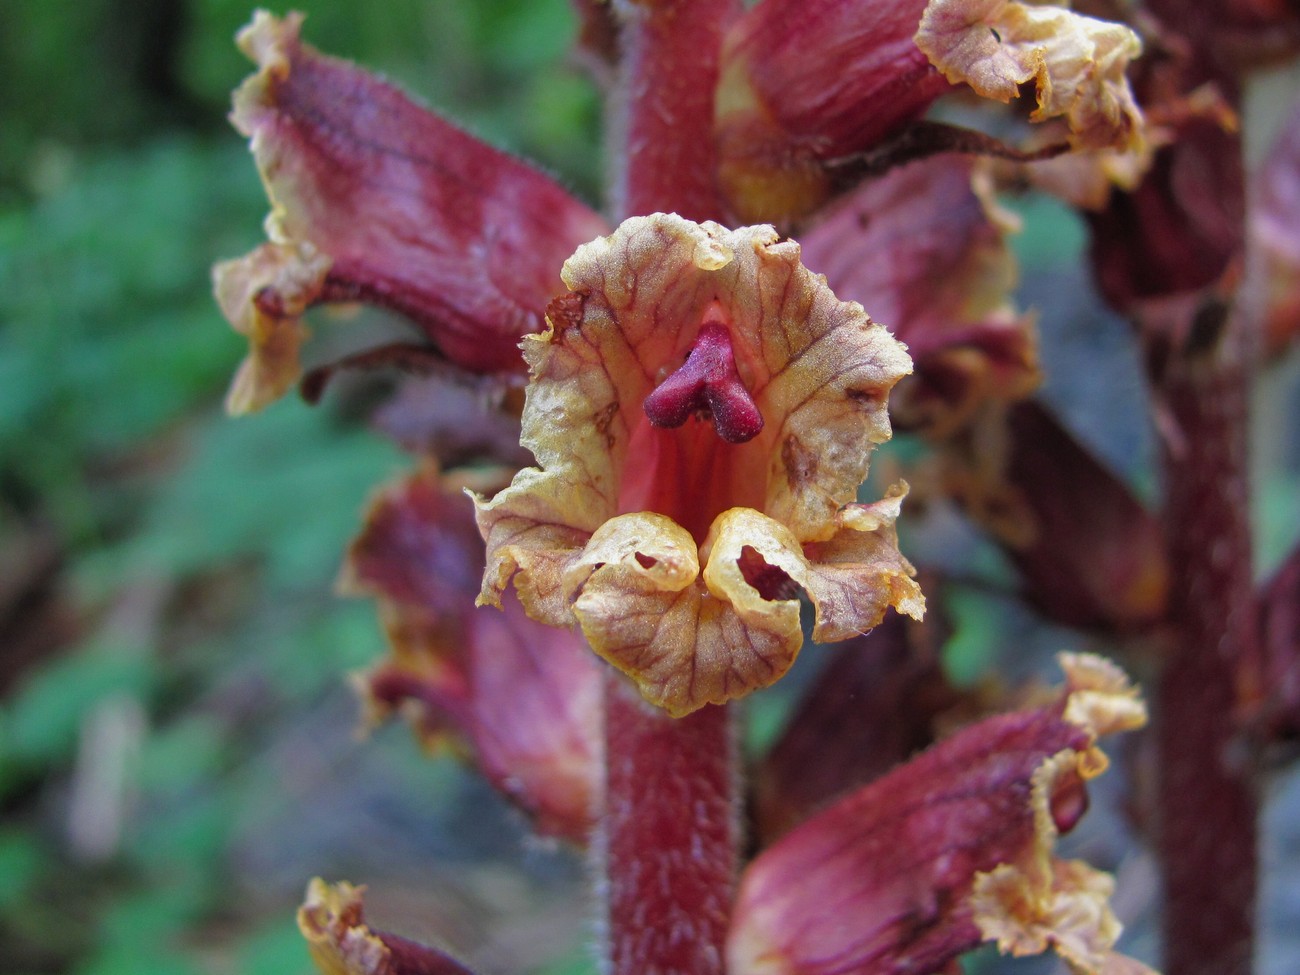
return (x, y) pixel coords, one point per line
(43, 721)
(278, 949)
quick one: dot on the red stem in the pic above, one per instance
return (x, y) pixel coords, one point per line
(663, 130)
(668, 837)
(1207, 790)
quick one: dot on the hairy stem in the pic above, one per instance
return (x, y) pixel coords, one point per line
(668, 837)
(663, 126)
(1207, 791)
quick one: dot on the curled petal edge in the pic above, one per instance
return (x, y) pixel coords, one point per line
(1077, 63)
(400, 208)
(1020, 780)
(608, 531)
(264, 296)
(691, 634)
(332, 920)
(1040, 901)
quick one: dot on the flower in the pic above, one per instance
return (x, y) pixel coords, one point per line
(376, 199)
(702, 409)
(949, 849)
(332, 919)
(524, 698)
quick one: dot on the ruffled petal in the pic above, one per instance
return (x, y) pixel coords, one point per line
(332, 919)
(264, 295)
(925, 248)
(383, 201)
(857, 574)
(612, 527)
(645, 610)
(1077, 63)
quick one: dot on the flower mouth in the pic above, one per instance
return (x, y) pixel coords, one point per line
(771, 582)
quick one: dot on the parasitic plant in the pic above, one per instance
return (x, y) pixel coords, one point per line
(793, 248)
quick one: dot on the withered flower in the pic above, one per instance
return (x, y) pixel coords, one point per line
(332, 919)
(1076, 63)
(702, 409)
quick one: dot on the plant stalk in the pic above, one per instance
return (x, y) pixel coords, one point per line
(662, 128)
(668, 835)
(1207, 789)
(668, 839)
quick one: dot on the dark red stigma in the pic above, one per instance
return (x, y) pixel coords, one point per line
(707, 384)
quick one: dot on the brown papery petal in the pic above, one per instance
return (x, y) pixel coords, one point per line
(1077, 63)
(403, 209)
(264, 296)
(332, 919)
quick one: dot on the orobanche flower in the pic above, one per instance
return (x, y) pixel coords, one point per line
(702, 409)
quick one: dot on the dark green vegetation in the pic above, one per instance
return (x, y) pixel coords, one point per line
(176, 747)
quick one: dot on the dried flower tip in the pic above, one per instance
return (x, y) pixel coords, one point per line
(1077, 63)
(375, 199)
(332, 919)
(952, 847)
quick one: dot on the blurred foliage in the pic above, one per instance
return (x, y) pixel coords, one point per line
(176, 747)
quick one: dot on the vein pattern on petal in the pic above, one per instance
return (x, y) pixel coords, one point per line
(612, 528)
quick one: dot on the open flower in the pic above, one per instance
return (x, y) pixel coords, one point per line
(702, 409)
